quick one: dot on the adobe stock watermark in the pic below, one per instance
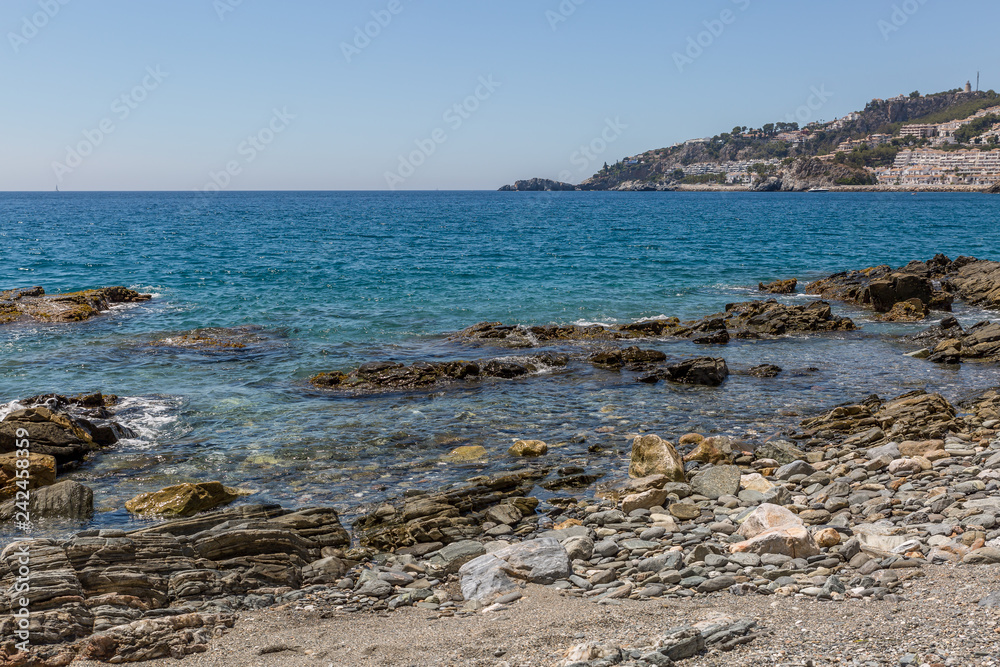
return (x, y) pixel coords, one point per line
(223, 7)
(363, 35)
(585, 156)
(901, 13)
(806, 113)
(121, 108)
(248, 151)
(697, 44)
(562, 13)
(31, 25)
(454, 116)
(20, 560)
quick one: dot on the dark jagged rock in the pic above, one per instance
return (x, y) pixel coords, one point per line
(779, 286)
(708, 371)
(882, 287)
(161, 591)
(949, 343)
(975, 281)
(764, 371)
(741, 320)
(68, 428)
(449, 516)
(630, 357)
(752, 318)
(392, 376)
(31, 304)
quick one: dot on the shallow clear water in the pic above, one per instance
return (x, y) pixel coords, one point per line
(337, 279)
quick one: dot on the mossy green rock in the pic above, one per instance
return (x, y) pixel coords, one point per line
(183, 499)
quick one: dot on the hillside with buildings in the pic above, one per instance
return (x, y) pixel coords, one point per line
(947, 140)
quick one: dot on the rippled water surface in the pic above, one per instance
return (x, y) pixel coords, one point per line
(338, 279)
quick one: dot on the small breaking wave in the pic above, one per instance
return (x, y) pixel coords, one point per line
(150, 417)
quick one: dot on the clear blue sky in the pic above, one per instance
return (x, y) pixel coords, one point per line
(225, 66)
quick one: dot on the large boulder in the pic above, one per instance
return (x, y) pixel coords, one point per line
(538, 561)
(765, 517)
(41, 472)
(182, 499)
(710, 371)
(652, 455)
(882, 287)
(788, 540)
(62, 500)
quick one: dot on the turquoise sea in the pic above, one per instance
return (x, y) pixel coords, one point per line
(334, 280)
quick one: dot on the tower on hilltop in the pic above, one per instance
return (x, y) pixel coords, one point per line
(968, 86)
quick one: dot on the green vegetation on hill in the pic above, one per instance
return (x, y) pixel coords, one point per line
(865, 156)
(966, 133)
(957, 111)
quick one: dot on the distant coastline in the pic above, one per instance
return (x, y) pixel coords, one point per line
(943, 142)
(544, 185)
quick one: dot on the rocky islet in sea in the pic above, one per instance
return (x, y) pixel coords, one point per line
(854, 505)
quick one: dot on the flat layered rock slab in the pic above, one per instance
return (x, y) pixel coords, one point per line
(32, 304)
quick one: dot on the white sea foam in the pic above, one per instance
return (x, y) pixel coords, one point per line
(7, 408)
(589, 323)
(149, 416)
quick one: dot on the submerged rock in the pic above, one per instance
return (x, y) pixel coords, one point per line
(183, 499)
(392, 376)
(528, 448)
(213, 339)
(21, 305)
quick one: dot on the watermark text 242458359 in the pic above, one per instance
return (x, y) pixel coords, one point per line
(22, 557)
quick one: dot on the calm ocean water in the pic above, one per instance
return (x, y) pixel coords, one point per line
(338, 279)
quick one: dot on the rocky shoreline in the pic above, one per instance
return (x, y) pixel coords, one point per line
(857, 505)
(773, 185)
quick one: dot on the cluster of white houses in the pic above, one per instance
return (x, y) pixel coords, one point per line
(736, 172)
(927, 166)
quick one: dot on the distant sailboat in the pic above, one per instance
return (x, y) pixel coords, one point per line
(57, 188)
